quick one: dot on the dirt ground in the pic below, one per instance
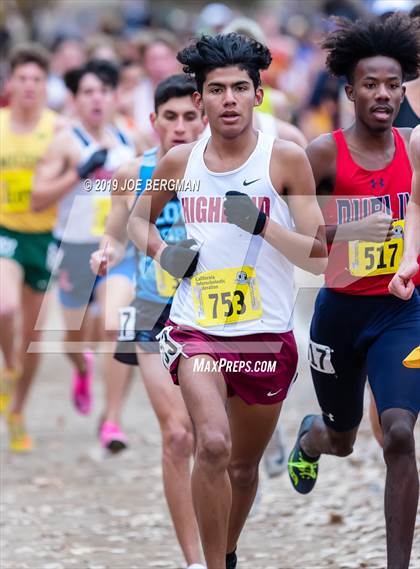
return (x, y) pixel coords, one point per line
(67, 505)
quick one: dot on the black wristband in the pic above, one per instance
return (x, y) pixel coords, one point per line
(260, 224)
(241, 211)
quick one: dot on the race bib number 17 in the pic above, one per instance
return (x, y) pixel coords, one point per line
(127, 332)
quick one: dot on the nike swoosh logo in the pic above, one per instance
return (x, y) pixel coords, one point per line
(271, 393)
(245, 183)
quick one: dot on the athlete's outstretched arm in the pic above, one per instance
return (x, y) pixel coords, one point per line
(141, 225)
(306, 247)
(113, 243)
(402, 284)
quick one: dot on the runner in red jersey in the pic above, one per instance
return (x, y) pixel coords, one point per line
(362, 196)
(358, 328)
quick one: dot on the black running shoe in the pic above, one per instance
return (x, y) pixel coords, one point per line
(231, 560)
(302, 472)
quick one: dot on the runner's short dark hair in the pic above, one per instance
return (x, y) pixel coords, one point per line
(105, 70)
(174, 86)
(397, 37)
(30, 53)
(225, 50)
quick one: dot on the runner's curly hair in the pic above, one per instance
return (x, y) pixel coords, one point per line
(397, 37)
(224, 50)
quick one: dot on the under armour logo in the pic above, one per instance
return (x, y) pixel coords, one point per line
(378, 182)
(330, 416)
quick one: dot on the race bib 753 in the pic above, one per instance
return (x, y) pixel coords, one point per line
(226, 296)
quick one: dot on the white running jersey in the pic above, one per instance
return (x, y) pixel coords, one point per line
(242, 285)
(82, 213)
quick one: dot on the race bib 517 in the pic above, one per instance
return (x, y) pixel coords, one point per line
(368, 259)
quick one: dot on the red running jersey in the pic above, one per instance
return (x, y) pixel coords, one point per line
(359, 267)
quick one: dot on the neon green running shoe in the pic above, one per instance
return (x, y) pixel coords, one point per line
(302, 473)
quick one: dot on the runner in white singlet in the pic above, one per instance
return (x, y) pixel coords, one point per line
(231, 318)
(77, 174)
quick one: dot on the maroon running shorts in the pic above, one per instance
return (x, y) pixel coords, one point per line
(259, 368)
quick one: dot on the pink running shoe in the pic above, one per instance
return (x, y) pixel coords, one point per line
(112, 437)
(82, 384)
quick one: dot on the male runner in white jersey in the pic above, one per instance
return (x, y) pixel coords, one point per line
(234, 304)
(77, 174)
(176, 121)
(27, 246)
